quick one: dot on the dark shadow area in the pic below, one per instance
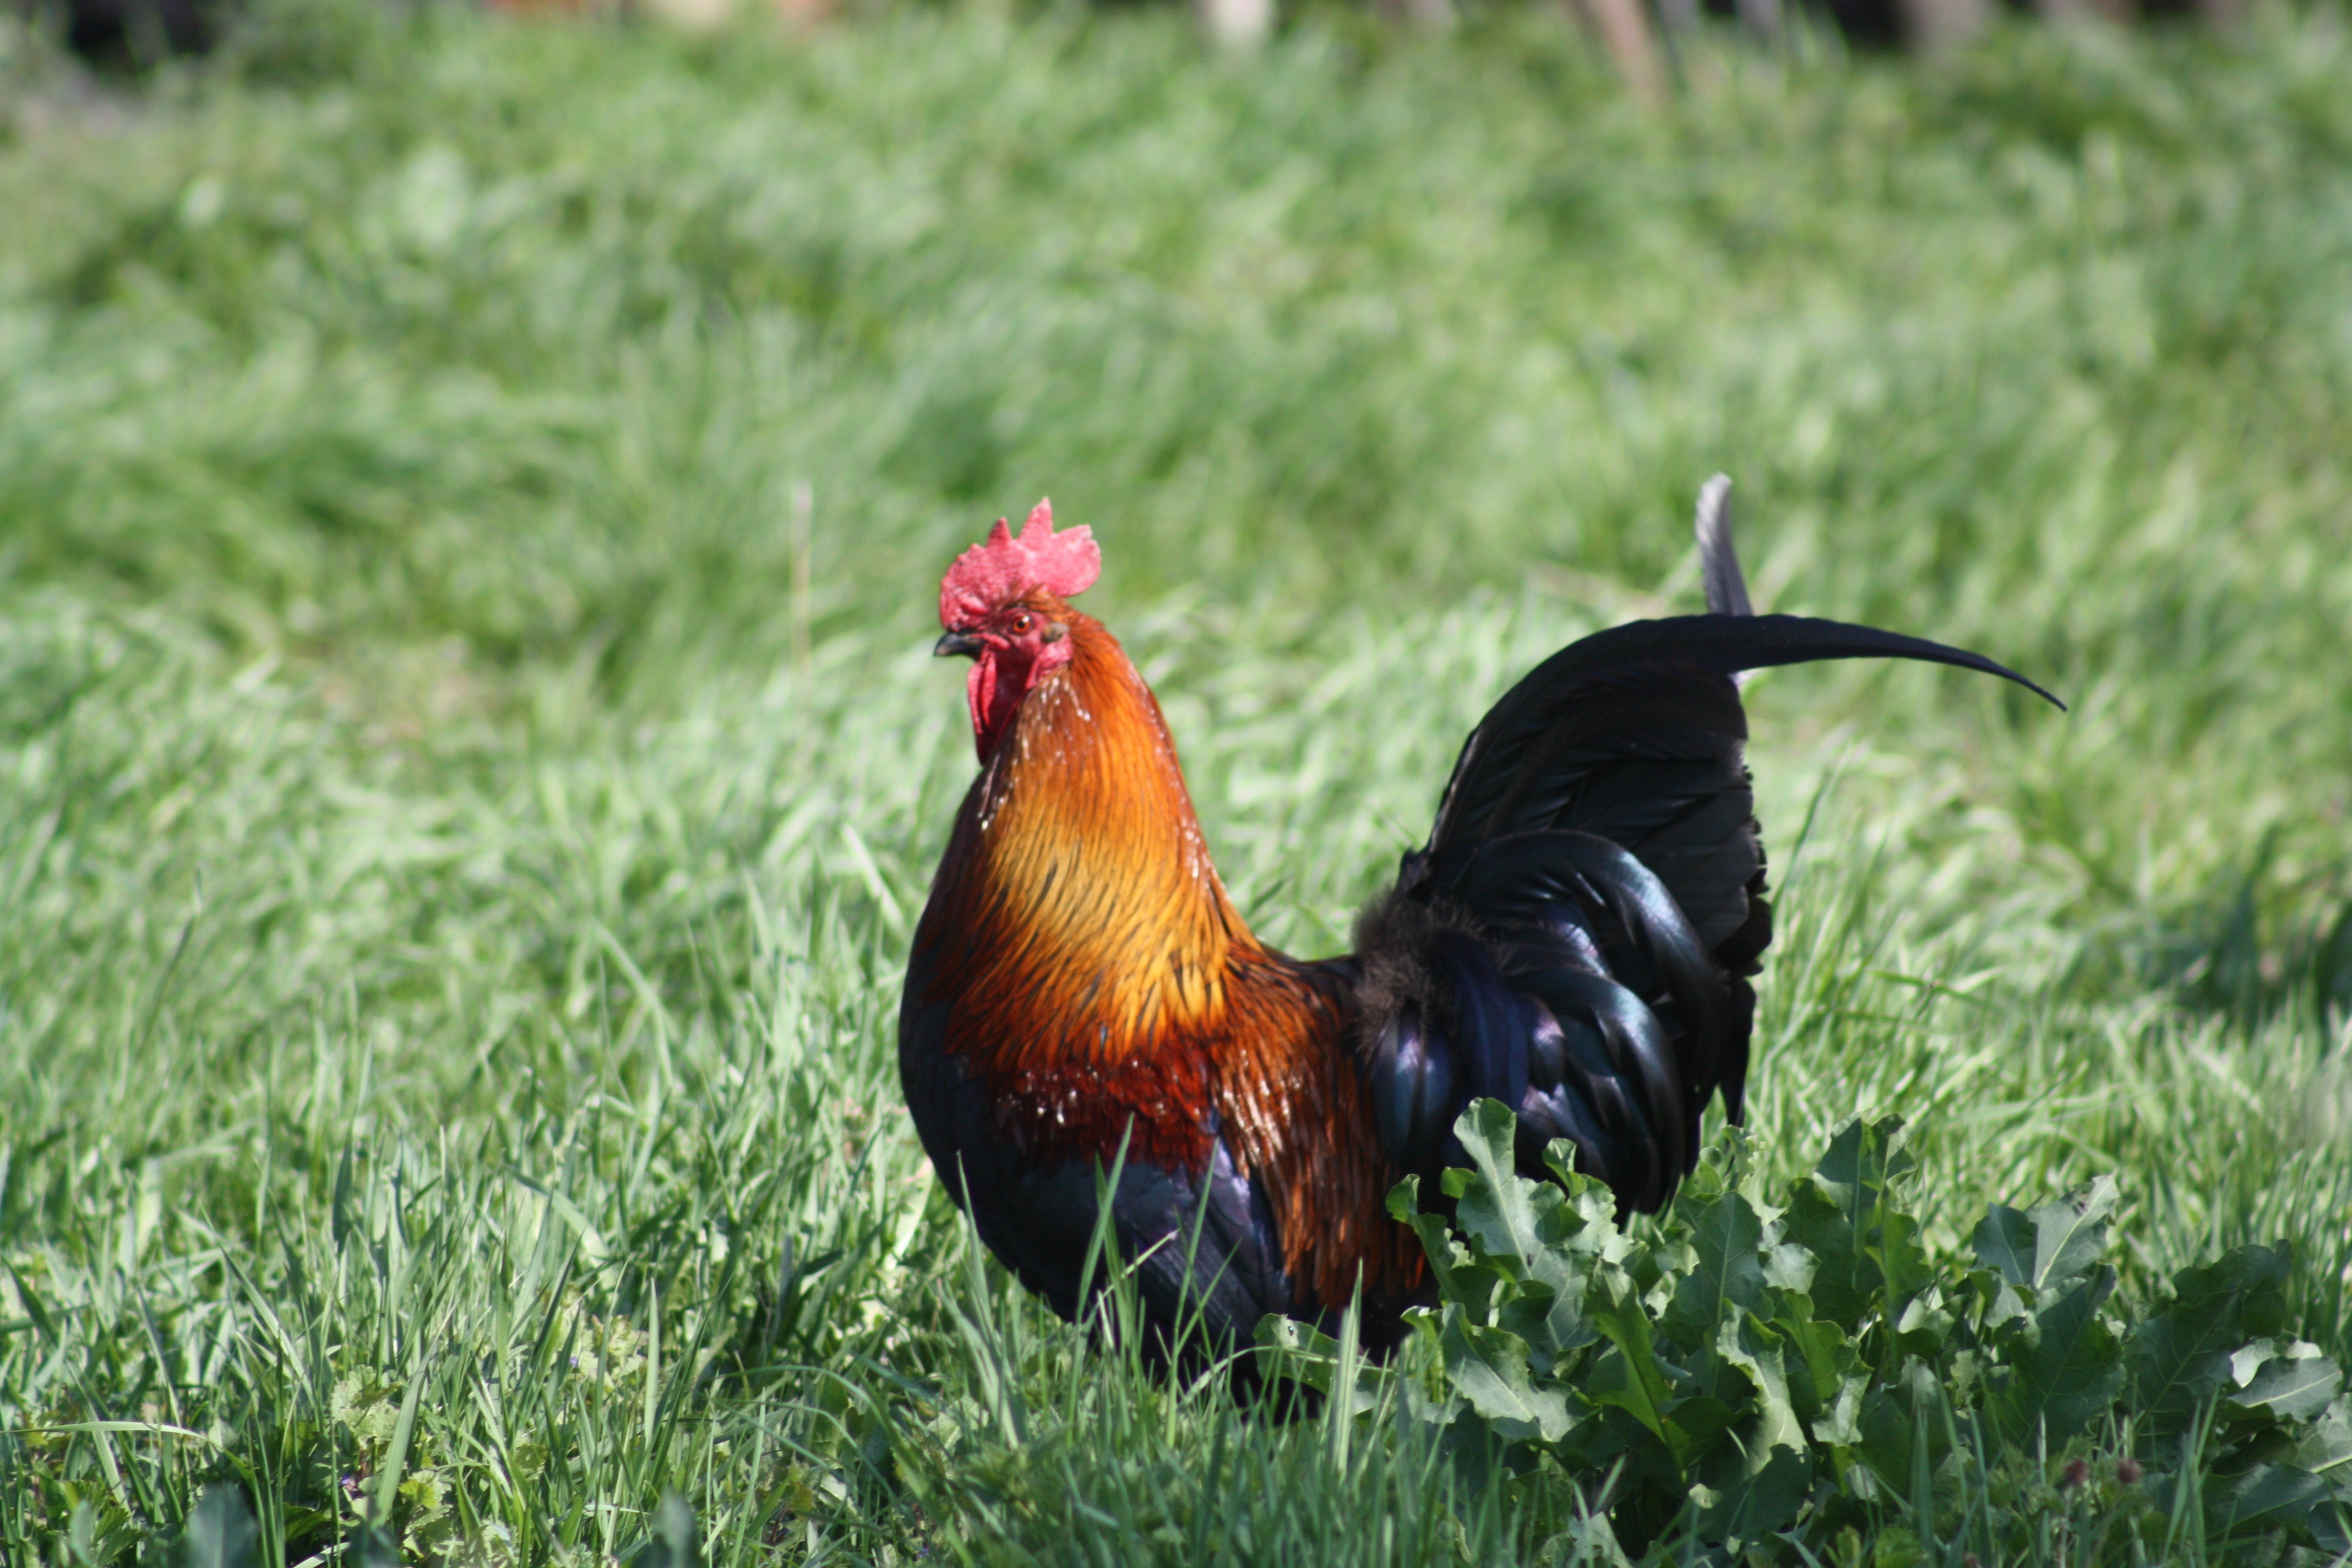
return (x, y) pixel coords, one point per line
(2247, 952)
(130, 36)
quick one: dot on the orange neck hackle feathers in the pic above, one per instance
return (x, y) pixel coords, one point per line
(1101, 980)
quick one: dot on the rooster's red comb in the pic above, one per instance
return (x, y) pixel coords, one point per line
(1002, 568)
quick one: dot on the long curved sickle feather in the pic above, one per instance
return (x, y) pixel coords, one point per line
(1640, 651)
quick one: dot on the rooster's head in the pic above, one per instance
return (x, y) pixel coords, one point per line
(1002, 603)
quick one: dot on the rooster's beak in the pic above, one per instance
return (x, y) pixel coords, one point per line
(964, 643)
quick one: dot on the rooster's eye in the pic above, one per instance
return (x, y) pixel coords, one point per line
(1022, 623)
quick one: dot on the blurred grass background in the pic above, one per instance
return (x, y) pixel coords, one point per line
(455, 882)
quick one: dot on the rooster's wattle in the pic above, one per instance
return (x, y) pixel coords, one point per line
(1574, 940)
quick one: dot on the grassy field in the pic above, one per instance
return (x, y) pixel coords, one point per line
(471, 502)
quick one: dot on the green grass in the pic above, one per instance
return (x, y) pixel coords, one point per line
(449, 933)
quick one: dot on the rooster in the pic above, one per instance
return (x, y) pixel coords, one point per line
(1087, 1016)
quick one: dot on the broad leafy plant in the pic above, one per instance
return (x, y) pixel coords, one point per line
(1782, 1380)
